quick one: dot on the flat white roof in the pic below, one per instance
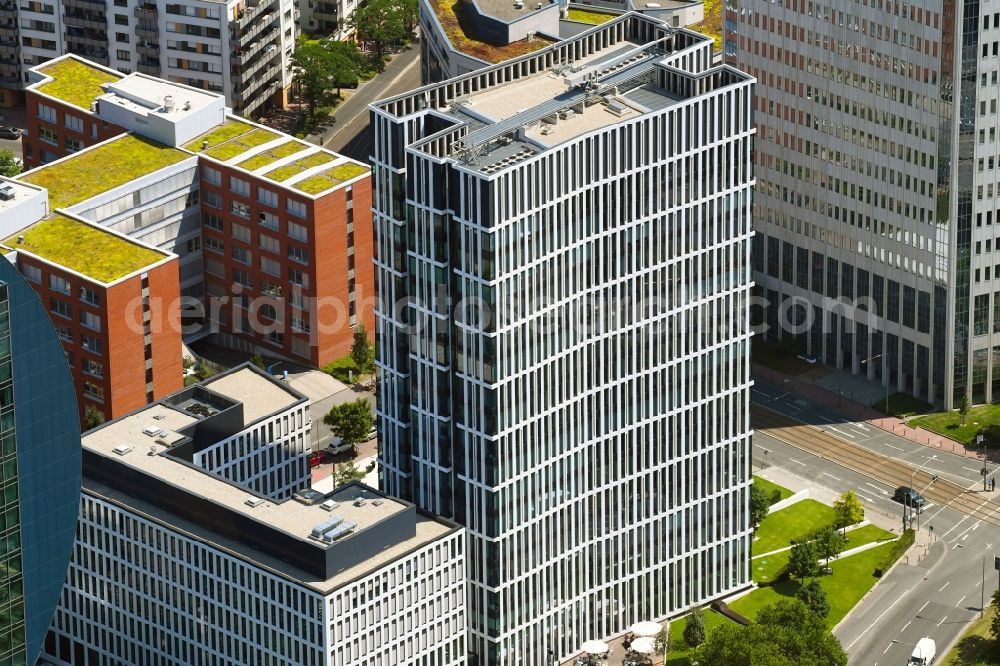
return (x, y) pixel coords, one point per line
(260, 396)
(144, 94)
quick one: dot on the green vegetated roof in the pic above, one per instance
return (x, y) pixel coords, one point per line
(273, 155)
(296, 167)
(231, 138)
(330, 178)
(460, 26)
(102, 168)
(594, 18)
(74, 82)
(83, 248)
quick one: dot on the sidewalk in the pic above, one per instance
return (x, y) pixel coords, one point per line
(857, 411)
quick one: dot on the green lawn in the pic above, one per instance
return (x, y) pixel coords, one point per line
(766, 569)
(984, 417)
(867, 534)
(903, 405)
(680, 653)
(851, 578)
(793, 523)
(770, 488)
(974, 647)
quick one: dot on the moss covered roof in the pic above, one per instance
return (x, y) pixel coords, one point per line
(75, 82)
(102, 168)
(84, 248)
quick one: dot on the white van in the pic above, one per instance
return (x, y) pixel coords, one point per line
(923, 653)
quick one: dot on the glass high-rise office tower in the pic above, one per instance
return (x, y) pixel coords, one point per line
(877, 208)
(39, 469)
(563, 273)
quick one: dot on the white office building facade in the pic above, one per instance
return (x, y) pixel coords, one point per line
(564, 330)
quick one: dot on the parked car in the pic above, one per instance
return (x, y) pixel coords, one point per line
(337, 447)
(10, 133)
(909, 497)
(317, 458)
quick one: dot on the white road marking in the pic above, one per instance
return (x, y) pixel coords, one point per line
(831, 476)
(905, 626)
(923, 607)
(845, 434)
(893, 446)
(879, 618)
(942, 620)
(863, 427)
(959, 604)
(888, 647)
(884, 492)
(971, 469)
(798, 462)
(820, 416)
(944, 586)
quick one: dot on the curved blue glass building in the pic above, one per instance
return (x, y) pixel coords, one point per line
(39, 469)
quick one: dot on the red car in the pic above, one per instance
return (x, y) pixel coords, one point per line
(317, 458)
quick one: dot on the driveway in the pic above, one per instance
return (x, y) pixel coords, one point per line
(324, 392)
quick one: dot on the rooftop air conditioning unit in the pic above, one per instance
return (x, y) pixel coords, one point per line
(7, 192)
(378, 502)
(329, 505)
(121, 449)
(151, 431)
(359, 502)
(254, 502)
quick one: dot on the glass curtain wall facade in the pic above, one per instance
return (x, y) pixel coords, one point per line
(564, 337)
(878, 162)
(40, 463)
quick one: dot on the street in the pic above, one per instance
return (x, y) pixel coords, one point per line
(938, 590)
(351, 136)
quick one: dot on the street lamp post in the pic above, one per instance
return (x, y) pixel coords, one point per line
(982, 587)
(873, 358)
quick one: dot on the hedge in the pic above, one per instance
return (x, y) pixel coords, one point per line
(341, 369)
(902, 544)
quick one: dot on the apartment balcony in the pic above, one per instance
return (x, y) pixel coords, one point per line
(91, 40)
(249, 14)
(149, 33)
(260, 97)
(11, 80)
(146, 12)
(83, 4)
(10, 67)
(8, 50)
(87, 20)
(243, 56)
(148, 50)
(99, 55)
(8, 13)
(151, 67)
(254, 69)
(258, 29)
(326, 10)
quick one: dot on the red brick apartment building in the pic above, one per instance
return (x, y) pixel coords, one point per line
(279, 253)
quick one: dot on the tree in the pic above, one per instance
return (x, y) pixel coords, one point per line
(312, 69)
(362, 352)
(813, 596)
(848, 510)
(661, 644)
(784, 634)
(347, 473)
(760, 503)
(257, 360)
(803, 562)
(345, 63)
(963, 409)
(694, 628)
(92, 417)
(380, 23)
(350, 421)
(829, 542)
(10, 166)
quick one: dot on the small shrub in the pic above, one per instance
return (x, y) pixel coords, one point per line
(900, 546)
(341, 369)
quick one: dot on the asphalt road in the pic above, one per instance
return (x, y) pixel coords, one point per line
(352, 137)
(938, 590)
